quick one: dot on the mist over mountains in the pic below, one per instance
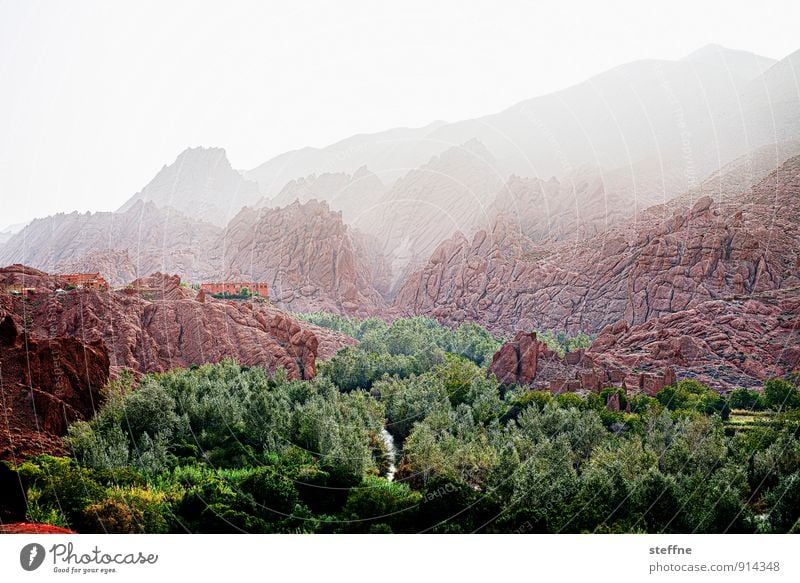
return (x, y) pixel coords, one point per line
(350, 226)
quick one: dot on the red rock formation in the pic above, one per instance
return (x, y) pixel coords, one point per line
(53, 372)
(32, 528)
(305, 253)
(46, 384)
(737, 341)
(161, 325)
(640, 270)
(516, 361)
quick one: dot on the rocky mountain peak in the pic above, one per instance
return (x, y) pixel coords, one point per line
(200, 183)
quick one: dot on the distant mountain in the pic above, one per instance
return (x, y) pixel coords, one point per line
(671, 115)
(353, 195)
(138, 241)
(569, 164)
(9, 231)
(591, 200)
(202, 185)
(742, 63)
(449, 193)
(390, 154)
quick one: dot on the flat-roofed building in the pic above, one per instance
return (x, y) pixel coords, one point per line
(93, 281)
(235, 288)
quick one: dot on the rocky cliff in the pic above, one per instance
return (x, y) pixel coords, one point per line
(57, 349)
(730, 342)
(46, 383)
(664, 261)
(310, 258)
(737, 341)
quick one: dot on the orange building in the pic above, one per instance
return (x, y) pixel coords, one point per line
(235, 287)
(86, 281)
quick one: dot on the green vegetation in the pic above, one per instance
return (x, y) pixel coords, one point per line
(227, 448)
(561, 343)
(243, 294)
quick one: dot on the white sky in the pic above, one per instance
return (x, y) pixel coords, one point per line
(96, 96)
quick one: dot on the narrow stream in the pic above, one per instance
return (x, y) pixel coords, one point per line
(388, 440)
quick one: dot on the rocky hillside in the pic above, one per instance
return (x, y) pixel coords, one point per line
(735, 341)
(142, 239)
(46, 382)
(66, 344)
(200, 184)
(666, 261)
(310, 258)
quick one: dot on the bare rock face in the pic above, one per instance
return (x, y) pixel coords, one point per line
(729, 343)
(516, 361)
(307, 255)
(57, 349)
(526, 362)
(647, 268)
(157, 324)
(47, 383)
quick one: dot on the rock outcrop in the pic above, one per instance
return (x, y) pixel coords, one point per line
(530, 363)
(58, 349)
(306, 253)
(46, 383)
(726, 343)
(516, 361)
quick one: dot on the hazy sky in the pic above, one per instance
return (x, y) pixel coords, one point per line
(97, 96)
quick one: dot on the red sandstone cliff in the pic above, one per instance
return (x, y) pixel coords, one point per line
(57, 349)
(663, 262)
(727, 343)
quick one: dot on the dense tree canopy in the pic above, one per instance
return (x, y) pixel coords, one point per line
(227, 448)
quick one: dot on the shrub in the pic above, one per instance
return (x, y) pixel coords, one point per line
(128, 510)
(781, 395)
(378, 501)
(745, 399)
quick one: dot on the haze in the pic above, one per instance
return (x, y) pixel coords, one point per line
(96, 99)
